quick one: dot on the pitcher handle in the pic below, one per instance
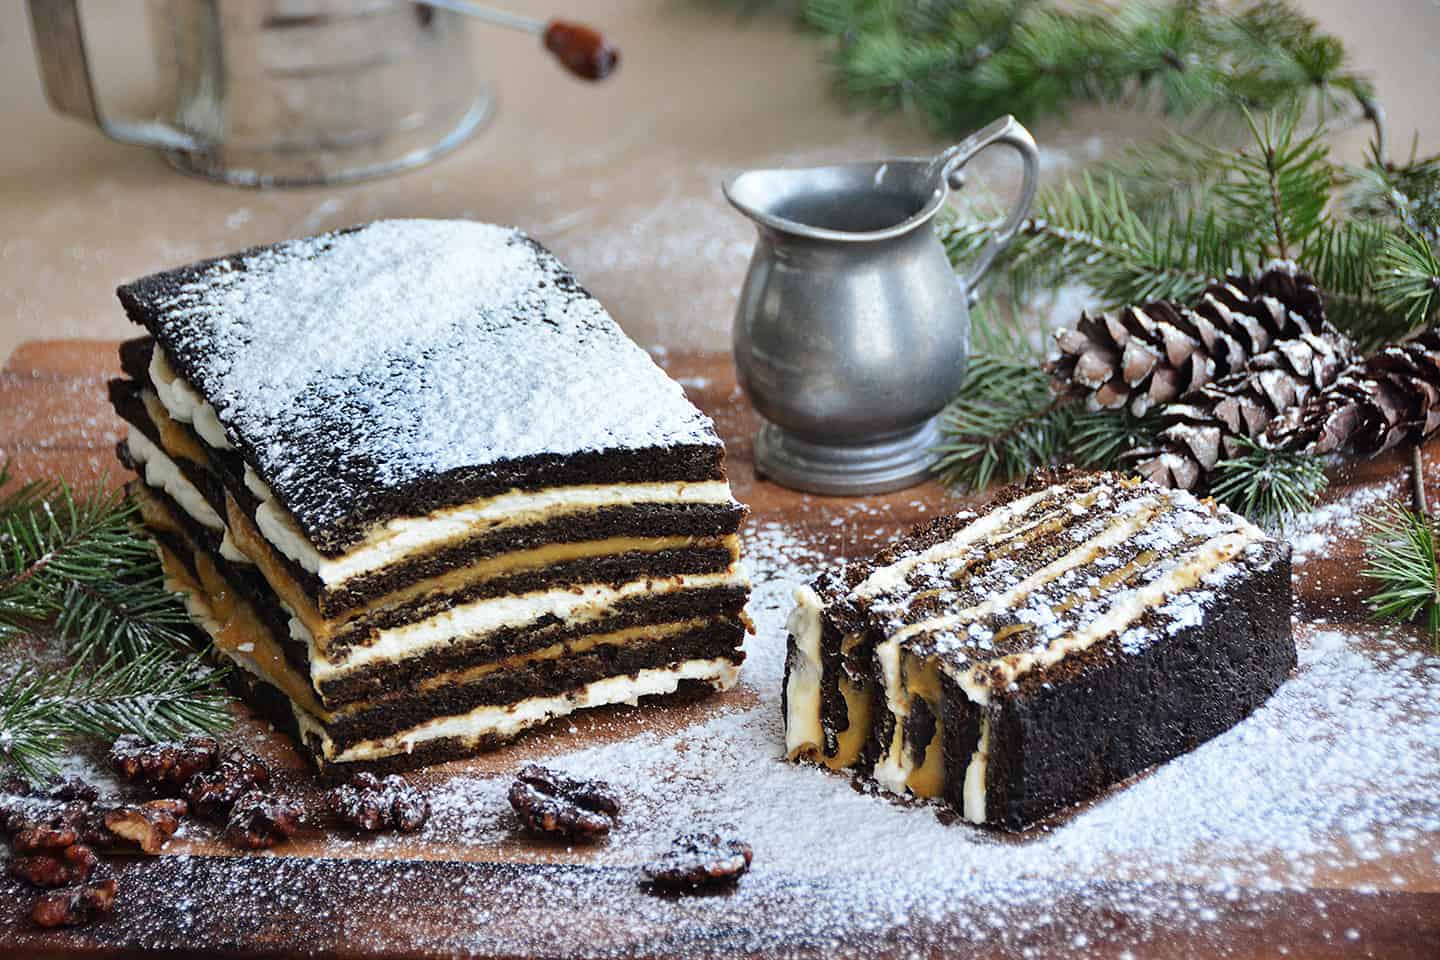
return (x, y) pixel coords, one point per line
(70, 87)
(1012, 133)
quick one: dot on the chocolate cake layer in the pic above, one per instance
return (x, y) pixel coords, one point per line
(1078, 631)
(725, 602)
(639, 521)
(653, 651)
(470, 387)
(272, 705)
(719, 639)
(720, 604)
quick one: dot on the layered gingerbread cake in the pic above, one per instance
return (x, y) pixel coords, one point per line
(423, 492)
(1010, 663)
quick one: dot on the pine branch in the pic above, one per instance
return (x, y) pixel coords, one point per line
(78, 564)
(1400, 548)
(1004, 423)
(1097, 439)
(960, 63)
(1269, 486)
(78, 567)
(1409, 277)
(1280, 189)
(154, 695)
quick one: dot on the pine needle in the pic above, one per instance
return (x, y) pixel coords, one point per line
(1004, 423)
(1400, 548)
(1099, 438)
(155, 696)
(960, 63)
(1269, 486)
(79, 568)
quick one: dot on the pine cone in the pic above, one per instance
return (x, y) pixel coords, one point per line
(1205, 427)
(1154, 354)
(1390, 398)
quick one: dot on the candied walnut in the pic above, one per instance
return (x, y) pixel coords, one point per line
(169, 764)
(697, 860)
(51, 833)
(73, 864)
(370, 804)
(258, 821)
(148, 826)
(556, 805)
(17, 786)
(45, 825)
(73, 906)
(213, 792)
(72, 788)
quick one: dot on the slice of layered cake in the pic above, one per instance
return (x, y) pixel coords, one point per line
(424, 492)
(1083, 628)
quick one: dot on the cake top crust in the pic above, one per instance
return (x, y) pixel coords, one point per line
(1054, 567)
(400, 365)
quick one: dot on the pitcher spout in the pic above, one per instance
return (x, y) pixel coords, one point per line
(850, 203)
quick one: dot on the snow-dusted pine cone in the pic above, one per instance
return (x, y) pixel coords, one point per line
(1154, 354)
(1206, 425)
(1392, 397)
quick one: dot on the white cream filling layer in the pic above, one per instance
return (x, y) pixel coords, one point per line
(568, 604)
(161, 472)
(802, 690)
(184, 402)
(972, 799)
(509, 719)
(403, 537)
(894, 766)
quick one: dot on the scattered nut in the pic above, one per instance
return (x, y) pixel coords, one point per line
(698, 860)
(211, 793)
(147, 826)
(556, 805)
(258, 821)
(72, 906)
(72, 789)
(370, 804)
(70, 865)
(52, 833)
(162, 764)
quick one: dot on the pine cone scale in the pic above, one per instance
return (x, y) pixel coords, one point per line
(1280, 315)
(1390, 398)
(1155, 354)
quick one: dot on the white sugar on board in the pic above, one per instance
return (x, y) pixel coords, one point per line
(1336, 770)
(1311, 533)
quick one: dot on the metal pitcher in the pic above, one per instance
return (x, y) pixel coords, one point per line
(852, 330)
(284, 92)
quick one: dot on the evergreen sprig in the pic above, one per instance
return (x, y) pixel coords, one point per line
(960, 63)
(77, 568)
(1400, 548)
(1128, 234)
(155, 695)
(1268, 486)
(1004, 422)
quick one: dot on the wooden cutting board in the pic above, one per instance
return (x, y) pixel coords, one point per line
(472, 885)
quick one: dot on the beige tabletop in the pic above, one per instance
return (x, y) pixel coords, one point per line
(621, 179)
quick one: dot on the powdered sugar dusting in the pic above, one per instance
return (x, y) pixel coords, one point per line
(397, 352)
(1338, 768)
(1330, 784)
(1310, 533)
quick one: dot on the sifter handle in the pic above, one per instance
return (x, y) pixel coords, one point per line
(70, 87)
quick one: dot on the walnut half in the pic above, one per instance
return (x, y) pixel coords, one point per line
(73, 906)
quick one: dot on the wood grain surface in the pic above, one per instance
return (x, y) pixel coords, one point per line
(502, 895)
